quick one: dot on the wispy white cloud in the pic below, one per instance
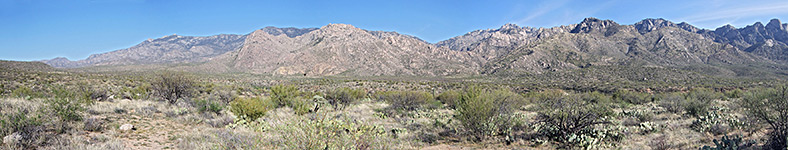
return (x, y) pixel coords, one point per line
(732, 14)
(561, 16)
(544, 8)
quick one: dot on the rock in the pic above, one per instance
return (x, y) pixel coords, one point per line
(127, 127)
(12, 139)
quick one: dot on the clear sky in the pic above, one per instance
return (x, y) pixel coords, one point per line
(44, 29)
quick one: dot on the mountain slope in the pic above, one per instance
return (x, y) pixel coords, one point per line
(168, 49)
(512, 50)
(340, 49)
(343, 49)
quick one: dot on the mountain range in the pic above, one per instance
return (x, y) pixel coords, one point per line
(341, 49)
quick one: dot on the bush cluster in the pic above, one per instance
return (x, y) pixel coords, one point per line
(769, 106)
(698, 101)
(487, 113)
(341, 97)
(570, 118)
(406, 100)
(204, 105)
(449, 98)
(251, 108)
(632, 97)
(172, 86)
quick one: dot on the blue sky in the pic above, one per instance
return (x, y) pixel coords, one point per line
(37, 29)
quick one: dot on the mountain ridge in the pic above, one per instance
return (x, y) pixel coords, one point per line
(337, 49)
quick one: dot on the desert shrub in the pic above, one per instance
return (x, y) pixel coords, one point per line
(251, 108)
(290, 96)
(301, 105)
(406, 100)
(25, 92)
(698, 101)
(661, 142)
(204, 105)
(598, 98)
(717, 121)
(141, 91)
(85, 93)
(632, 97)
(570, 119)
(23, 126)
(223, 95)
(672, 102)
(735, 93)
(639, 114)
(487, 113)
(341, 97)
(93, 124)
(769, 106)
(283, 94)
(729, 143)
(172, 86)
(65, 109)
(449, 98)
(330, 133)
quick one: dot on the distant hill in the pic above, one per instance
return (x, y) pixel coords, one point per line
(340, 49)
(167, 49)
(7, 65)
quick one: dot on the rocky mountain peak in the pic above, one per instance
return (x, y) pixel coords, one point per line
(289, 31)
(725, 28)
(689, 27)
(593, 24)
(775, 24)
(758, 25)
(339, 26)
(651, 24)
(510, 26)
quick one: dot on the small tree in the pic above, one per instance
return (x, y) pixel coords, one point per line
(172, 86)
(771, 106)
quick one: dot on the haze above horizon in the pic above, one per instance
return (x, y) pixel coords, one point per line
(36, 30)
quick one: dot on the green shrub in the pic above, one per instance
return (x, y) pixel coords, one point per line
(570, 119)
(632, 97)
(283, 94)
(717, 121)
(406, 100)
(598, 98)
(24, 124)
(449, 98)
(25, 92)
(204, 105)
(698, 101)
(769, 106)
(141, 91)
(329, 133)
(487, 113)
(729, 143)
(672, 102)
(65, 109)
(301, 105)
(735, 93)
(251, 108)
(172, 86)
(341, 97)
